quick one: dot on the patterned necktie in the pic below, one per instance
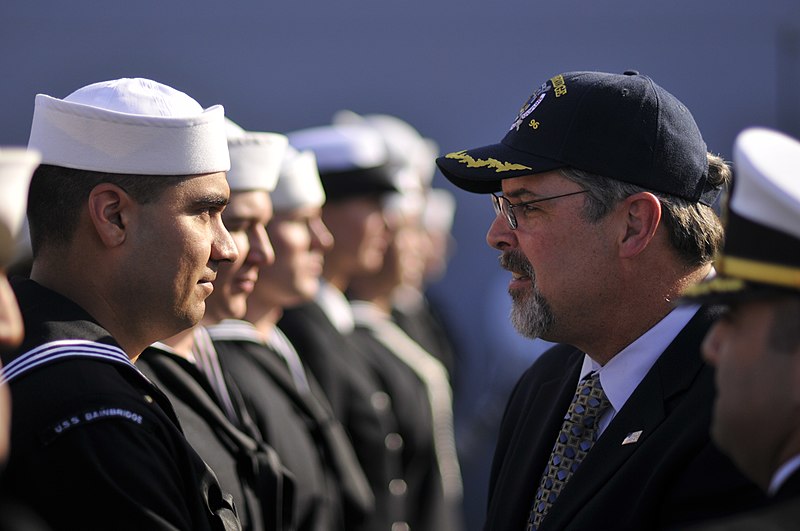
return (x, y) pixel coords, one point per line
(578, 434)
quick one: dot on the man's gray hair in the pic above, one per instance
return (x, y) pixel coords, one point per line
(694, 229)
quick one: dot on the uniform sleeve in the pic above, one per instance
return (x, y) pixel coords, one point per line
(115, 472)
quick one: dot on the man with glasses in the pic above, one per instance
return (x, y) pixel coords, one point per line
(604, 218)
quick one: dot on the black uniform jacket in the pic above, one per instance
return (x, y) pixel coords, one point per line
(94, 444)
(782, 513)
(426, 507)
(304, 432)
(358, 400)
(424, 325)
(251, 471)
(671, 475)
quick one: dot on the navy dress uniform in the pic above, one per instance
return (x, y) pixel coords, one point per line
(759, 264)
(250, 470)
(286, 402)
(358, 400)
(421, 481)
(16, 167)
(212, 412)
(95, 444)
(355, 175)
(292, 412)
(422, 322)
(417, 383)
(87, 422)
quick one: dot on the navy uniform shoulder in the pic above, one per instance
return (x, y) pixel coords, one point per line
(54, 400)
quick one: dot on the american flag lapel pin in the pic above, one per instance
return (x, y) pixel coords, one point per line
(631, 437)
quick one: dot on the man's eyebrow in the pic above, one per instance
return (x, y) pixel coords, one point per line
(214, 200)
(521, 192)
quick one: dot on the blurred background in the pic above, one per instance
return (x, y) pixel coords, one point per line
(456, 70)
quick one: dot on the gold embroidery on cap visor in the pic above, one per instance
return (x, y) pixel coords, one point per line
(755, 271)
(715, 286)
(734, 273)
(499, 166)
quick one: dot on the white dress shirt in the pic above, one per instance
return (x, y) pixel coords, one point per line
(625, 371)
(336, 306)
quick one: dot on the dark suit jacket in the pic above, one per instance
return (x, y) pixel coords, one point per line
(672, 475)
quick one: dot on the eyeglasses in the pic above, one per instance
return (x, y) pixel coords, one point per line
(505, 207)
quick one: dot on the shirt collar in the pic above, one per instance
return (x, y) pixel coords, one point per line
(334, 304)
(782, 474)
(623, 373)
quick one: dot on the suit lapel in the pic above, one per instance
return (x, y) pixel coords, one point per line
(531, 444)
(645, 410)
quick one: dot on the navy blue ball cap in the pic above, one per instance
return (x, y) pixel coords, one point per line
(621, 126)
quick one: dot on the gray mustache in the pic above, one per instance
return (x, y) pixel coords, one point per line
(516, 261)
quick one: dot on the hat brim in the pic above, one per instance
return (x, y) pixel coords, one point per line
(480, 170)
(727, 290)
(339, 186)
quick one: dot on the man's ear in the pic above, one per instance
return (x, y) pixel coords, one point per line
(642, 213)
(110, 212)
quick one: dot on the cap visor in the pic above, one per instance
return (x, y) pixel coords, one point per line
(356, 183)
(480, 170)
(726, 290)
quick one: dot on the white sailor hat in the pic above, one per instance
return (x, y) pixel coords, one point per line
(400, 137)
(440, 209)
(256, 158)
(406, 148)
(299, 184)
(351, 159)
(412, 159)
(130, 126)
(16, 167)
(761, 253)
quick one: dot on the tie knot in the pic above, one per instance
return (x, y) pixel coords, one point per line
(590, 397)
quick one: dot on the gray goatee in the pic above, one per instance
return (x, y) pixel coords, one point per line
(531, 315)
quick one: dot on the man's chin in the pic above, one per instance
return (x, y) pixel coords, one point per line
(529, 322)
(237, 307)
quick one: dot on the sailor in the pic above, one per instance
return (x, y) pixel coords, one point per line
(126, 231)
(287, 404)
(352, 163)
(186, 365)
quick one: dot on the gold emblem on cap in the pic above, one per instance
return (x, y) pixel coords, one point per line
(559, 85)
(471, 162)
